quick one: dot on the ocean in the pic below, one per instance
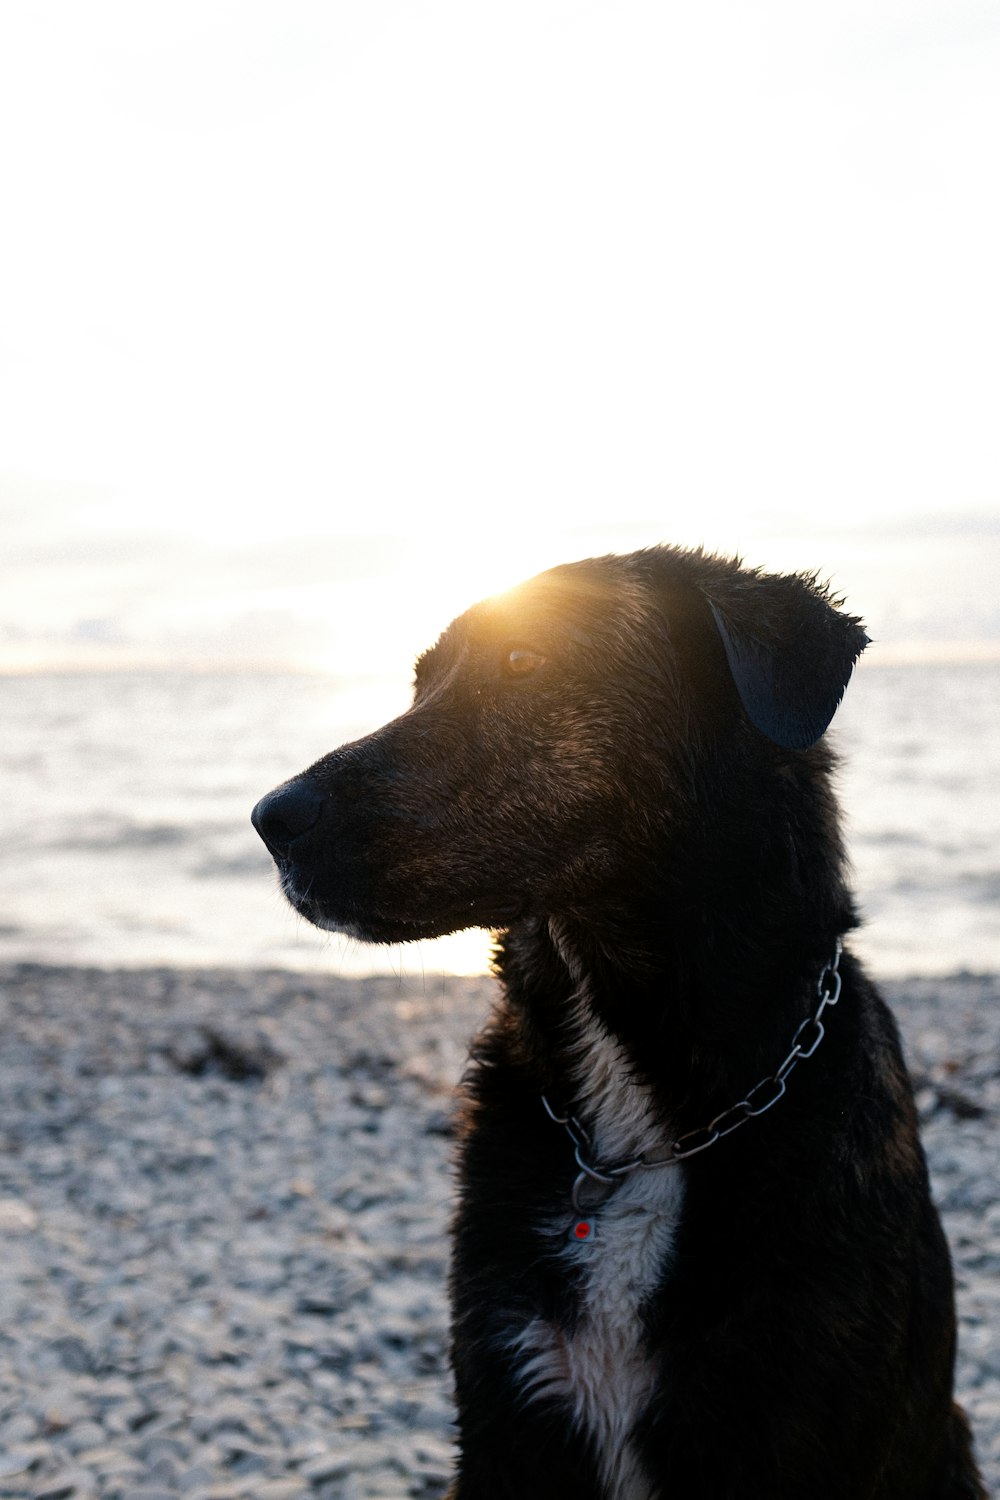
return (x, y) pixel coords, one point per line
(124, 818)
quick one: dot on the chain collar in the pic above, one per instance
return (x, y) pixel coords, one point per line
(596, 1181)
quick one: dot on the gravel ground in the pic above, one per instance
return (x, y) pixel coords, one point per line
(223, 1200)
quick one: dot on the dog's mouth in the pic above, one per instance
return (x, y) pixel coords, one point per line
(370, 925)
(350, 865)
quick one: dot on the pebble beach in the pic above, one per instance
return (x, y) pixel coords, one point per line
(224, 1198)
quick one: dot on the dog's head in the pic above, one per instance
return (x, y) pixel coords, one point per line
(601, 716)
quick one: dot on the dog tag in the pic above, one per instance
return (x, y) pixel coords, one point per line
(582, 1230)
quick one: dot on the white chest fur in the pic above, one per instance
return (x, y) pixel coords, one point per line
(602, 1371)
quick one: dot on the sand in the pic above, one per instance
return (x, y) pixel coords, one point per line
(223, 1210)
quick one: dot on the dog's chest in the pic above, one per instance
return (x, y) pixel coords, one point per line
(602, 1369)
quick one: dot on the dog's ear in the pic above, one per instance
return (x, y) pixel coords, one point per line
(790, 651)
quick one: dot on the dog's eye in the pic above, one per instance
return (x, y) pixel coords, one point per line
(519, 661)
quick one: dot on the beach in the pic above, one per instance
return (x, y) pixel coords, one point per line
(224, 1198)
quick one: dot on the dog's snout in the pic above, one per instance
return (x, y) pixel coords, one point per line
(286, 813)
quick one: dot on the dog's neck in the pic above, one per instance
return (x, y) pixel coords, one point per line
(699, 1030)
(606, 1088)
(737, 925)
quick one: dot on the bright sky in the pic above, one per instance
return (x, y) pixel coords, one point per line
(308, 300)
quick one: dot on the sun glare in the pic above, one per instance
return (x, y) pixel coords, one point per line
(380, 624)
(458, 574)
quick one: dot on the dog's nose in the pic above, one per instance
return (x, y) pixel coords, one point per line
(286, 813)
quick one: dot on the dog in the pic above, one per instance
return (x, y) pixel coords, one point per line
(694, 1253)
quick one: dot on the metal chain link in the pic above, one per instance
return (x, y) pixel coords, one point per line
(762, 1097)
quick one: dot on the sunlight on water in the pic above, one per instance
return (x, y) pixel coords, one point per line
(126, 828)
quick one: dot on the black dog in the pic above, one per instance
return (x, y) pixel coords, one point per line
(695, 1253)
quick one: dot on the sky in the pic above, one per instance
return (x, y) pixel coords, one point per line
(321, 320)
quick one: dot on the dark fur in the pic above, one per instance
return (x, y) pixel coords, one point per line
(650, 807)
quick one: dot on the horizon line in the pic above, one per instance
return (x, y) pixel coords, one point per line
(906, 652)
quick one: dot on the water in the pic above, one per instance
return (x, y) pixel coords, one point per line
(919, 785)
(125, 835)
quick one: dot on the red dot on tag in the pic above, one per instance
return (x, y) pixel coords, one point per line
(582, 1230)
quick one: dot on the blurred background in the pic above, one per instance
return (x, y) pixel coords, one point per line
(321, 320)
